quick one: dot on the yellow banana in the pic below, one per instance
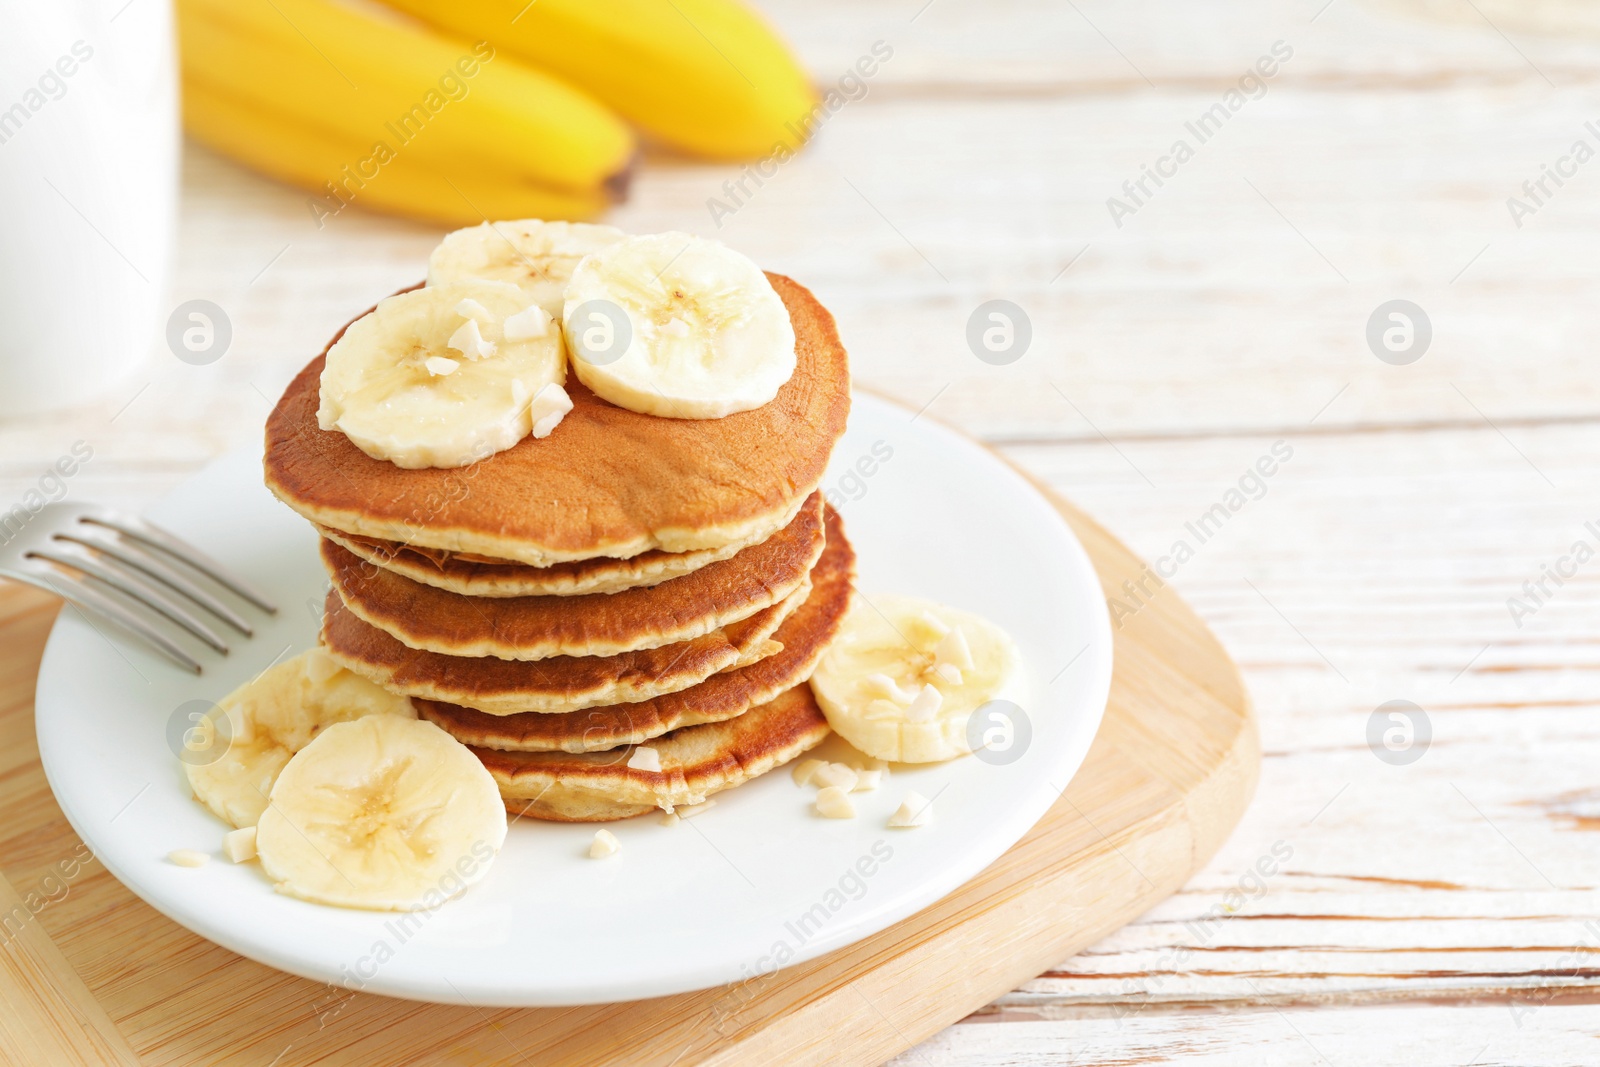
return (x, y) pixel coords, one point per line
(708, 76)
(344, 172)
(453, 105)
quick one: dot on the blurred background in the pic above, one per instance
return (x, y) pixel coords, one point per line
(1361, 231)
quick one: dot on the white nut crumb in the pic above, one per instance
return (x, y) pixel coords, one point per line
(926, 705)
(240, 845)
(669, 818)
(939, 627)
(866, 780)
(549, 407)
(884, 709)
(805, 769)
(644, 758)
(471, 309)
(242, 727)
(439, 366)
(915, 810)
(468, 340)
(834, 803)
(835, 774)
(881, 685)
(527, 324)
(319, 666)
(948, 672)
(953, 649)
(605, 843)
(188, 857)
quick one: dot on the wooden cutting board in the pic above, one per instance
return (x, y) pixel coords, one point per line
(89, 974)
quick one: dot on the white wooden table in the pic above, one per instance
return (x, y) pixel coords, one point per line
(1443, 911)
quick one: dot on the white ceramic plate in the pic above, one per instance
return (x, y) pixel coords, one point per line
(752, 883)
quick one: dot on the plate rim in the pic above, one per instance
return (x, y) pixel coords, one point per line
(1099, 657)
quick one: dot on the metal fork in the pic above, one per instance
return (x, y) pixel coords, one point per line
(124, 570)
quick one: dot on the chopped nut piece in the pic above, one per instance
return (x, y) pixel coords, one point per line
(948, 672)
(938, 626)
(834, 803)
(835, 774)
(471, 309)
(669, 818)
(644, 758)
(884, 709)
(805, 769)
(439, 366)
(548, 409)
(526, 325)
(878, 684)
(915, 810)
(188, 857)
(866, 780)
(953, 649)
(468, 340)
(320, 667)
(240, 845)
(605, 843)
(926, 705)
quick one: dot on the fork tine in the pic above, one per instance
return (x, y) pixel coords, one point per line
(155, 537)
(132, 585)
(132, 555)
(92, 602)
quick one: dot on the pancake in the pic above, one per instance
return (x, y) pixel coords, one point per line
(473, 575)
(805, 636)
(695, 763)
(558, 684)
(597, 624)
(607, 482)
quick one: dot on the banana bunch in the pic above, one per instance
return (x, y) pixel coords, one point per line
(457, 111)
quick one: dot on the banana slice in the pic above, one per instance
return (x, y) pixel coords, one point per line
(904, 676)
(232, 764)
(429, 378)
(674, 325)
(384, 813)
(534, 255)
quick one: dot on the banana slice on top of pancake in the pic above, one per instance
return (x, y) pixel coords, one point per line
(234, 753)
(904, 676)
(384, 813)
(445, 375)
(534, 255)
(679, 326)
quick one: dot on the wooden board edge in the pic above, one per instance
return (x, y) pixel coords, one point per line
(50, 1016)
(877, 1015)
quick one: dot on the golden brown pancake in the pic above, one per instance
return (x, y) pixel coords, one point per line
(558, 684)
(598, 624)
(473, 575)
(805, 636)
(606, 482)
(695, 762)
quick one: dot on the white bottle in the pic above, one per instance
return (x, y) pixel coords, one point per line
(88, 192)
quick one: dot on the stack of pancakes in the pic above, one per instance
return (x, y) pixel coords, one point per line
(629, 582)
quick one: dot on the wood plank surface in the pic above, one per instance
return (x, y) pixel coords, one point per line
(1171, 770)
